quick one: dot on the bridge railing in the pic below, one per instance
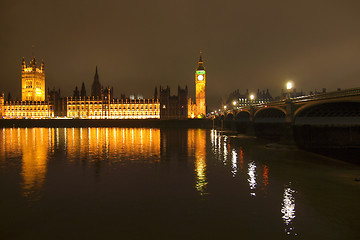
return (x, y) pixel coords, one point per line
(334, 94)
(321, 96)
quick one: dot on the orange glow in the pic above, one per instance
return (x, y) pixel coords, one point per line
(113, 142)
(113, 109)
(26, 109)
(32, 83)
(200, 96)
(32, 146)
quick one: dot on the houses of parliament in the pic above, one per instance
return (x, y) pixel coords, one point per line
(37, 102)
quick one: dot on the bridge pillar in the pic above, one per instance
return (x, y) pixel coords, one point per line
(250, 130)
(289, 108)
(288, 132)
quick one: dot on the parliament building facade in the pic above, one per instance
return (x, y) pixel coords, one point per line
(36, 103)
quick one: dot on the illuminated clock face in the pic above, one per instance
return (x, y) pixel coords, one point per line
(200, 77)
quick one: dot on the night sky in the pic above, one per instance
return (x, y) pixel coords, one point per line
(140, 44)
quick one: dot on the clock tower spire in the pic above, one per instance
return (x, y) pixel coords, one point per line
(200, 82)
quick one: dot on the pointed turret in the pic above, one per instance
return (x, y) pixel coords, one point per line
(83, 90)
(33, 64)
(155, 93)
(96, 86)
(96, 77)
(23, 64)
(76, 93)
(200, 63)
(42, 65)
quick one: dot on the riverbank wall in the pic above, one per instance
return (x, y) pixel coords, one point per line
(79, 123)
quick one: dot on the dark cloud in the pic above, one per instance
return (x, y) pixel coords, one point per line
(139, 44)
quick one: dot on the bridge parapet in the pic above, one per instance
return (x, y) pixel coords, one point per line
(291, 107)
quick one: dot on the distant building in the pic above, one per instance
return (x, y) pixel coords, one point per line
(173, 106)
(238, 100)
(294, 94)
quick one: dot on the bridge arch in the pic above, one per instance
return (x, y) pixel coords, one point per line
(243, 116)
(328, 113)
(270, 114)
(325, 104)
(229, 116)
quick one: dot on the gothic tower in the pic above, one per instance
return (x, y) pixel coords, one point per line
(32, 81)
(96, 86)
(200, 82)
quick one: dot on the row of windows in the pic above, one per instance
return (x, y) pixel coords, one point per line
(128, 106)
(26, 109)
(124, 117)
(114, 114)
(27, 114)
(111, 109)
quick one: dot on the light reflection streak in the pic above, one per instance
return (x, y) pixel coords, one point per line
(265, 177)
(225, 150)
(57, 137)
(288, 209)
(199, 138)
(241, 157)
(234, 163)
(252, 177)
(219, 143)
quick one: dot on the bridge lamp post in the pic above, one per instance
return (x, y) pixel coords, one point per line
(252, 97)
(289, 86)
(234, 103)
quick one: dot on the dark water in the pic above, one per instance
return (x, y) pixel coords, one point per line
(122, 183)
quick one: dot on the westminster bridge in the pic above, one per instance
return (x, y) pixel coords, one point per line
(328, 119)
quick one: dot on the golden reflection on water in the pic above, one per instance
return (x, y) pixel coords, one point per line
(113, 143)
(197, 141)
(32, 146)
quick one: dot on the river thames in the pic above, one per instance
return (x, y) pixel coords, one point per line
(149, 183)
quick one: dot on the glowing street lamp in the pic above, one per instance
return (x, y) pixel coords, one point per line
(289, 86)
(234, 103)
(252, 97)
(225, 107)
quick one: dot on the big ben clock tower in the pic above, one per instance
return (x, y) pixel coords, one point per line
(200, 82)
